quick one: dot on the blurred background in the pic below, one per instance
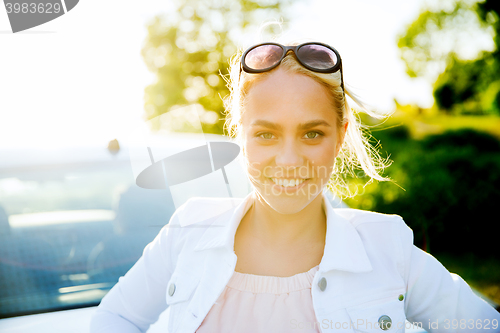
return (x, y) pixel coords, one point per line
(106, 68)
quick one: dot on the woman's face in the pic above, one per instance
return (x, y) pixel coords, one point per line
(290, 139)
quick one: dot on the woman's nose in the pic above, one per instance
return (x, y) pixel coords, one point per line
(289, 155)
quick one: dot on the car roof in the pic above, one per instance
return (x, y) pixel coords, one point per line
(28, 157)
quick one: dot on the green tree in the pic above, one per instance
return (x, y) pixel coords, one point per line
(188, 50)
(440, 40)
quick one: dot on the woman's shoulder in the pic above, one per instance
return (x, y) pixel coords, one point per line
(375, 224)
(203, 210)
(359, 216)
(386, 238)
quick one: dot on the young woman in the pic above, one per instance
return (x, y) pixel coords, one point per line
(283, 259)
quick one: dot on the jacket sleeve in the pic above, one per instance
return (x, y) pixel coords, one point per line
(139, 297)
(441, 301)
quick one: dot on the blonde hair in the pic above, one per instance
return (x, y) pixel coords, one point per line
(356, 151)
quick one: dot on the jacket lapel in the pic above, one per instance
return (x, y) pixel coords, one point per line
(221, 231)
(344, 249)
(219, 262)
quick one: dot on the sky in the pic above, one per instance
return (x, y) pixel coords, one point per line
(80, 79)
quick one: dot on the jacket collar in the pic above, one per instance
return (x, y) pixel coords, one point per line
(344, 249)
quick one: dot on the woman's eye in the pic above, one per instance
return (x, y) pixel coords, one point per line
(312, 135)
(266, 136)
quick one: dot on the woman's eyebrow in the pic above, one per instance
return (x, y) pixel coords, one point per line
(313, 123)
(309, 124)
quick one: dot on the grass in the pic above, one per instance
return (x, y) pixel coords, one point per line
(425, 124)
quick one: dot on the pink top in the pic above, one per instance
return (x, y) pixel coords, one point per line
(258, 303)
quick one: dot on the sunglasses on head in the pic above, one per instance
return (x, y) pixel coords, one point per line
(317, 57)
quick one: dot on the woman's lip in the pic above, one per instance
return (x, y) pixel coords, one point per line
(287, 178)
(291, 188)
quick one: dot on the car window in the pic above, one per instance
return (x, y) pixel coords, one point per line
(68, 231)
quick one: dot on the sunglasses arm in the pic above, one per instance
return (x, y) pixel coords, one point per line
(342, 80)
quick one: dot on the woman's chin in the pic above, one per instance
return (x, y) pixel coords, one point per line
(287, 200)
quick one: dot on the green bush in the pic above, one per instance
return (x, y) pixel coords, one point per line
(452, 190)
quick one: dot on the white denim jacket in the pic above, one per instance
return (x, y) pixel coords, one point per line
(370, 273)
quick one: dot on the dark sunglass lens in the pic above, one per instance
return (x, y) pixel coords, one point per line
(317, 56)
(263, 56)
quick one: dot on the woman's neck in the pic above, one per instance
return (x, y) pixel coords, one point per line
(276, 229)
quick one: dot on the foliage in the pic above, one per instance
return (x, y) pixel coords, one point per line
(452, 188)
(189, 48)
(438, 33)
(440, 40)
(469, 86)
